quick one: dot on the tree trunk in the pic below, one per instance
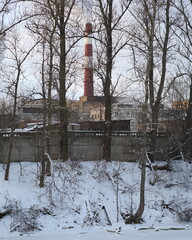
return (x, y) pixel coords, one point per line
(155, 104)
(136, 218)
(153, 134)
(62, 90)
(107, 83)
(42, 174)
(6, 177)
(48, 166)
(107, 133)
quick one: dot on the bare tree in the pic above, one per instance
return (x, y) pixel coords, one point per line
(152, 36)
(12, 75)
(43, 27)
(110, 41)
(66, 34)
(184, 36)
(12, 13)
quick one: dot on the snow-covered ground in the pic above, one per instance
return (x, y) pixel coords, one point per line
(84, 201)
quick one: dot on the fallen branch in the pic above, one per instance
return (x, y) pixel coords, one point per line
(172, 228)
(163, 229)
(160, 167)
(3, 214)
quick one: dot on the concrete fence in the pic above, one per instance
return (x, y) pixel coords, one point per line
(83, 145)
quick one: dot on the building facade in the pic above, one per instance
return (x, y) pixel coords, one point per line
(120, 112)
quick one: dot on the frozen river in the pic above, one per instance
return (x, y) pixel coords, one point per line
(108, 235)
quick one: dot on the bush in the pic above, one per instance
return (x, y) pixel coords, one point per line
(24, 220)
(185, 215)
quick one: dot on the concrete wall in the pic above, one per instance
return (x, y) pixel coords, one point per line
(127, 146)
(84, 146)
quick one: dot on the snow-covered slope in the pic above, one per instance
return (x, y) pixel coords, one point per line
(90, 196)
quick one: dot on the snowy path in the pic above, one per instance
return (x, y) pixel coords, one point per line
(104, 235)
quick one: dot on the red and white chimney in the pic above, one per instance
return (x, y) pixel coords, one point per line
(88, 61)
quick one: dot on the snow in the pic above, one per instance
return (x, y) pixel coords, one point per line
(107, 235)
(82, 200)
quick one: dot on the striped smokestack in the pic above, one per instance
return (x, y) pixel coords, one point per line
(88, 61)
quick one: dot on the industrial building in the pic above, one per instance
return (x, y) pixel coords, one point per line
(89, 108)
